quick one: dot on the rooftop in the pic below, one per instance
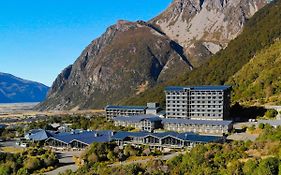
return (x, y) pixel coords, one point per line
(188, 136)
(126, 107)
(196, 122)
(87, 137)
(39, 134)
(138, 118)
(180, 88)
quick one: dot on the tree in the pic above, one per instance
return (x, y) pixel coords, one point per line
(22, 171)
(251, 128)
(5, 170)
(261, 126)
(93, 158)
(271, 113)
(111, 156)
(268, 166)
(32, 164)
(249, 166)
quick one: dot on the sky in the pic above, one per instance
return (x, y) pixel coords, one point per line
(39, 38)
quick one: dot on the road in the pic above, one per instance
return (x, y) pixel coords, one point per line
(243, 137)
(67, 162)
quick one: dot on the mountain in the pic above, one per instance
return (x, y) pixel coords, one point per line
(17, 90)
(127, 59)
(131, 57)
(203, 27)
(249, 63)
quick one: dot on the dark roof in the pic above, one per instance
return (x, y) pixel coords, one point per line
(86, 137)
(126, 107)
(188, 136)
(123, 134)
(180, 88)
(39, 134)
(138, 118)
(2, 126)
(196, 122)
(157, 108)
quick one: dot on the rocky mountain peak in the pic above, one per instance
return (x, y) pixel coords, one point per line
(203, 27)
(131, 57)
(127, 59)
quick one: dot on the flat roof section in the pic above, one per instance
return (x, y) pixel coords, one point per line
(211, 88)
(126, 107)
(138, 118)
(196, 122)
(188, 136)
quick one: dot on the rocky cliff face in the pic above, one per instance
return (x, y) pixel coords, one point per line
(133, 56)
(203, 27)
(128, 58)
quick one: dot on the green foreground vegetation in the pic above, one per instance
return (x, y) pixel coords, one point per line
(32, 161)
(261, 157)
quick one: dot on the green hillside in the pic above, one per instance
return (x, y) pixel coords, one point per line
(260, 79)
(262, 30)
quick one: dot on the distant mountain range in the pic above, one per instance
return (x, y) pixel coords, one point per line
(130, 58)
(17, 90)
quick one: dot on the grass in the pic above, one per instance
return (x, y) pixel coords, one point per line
(137, 158)
(12, 149)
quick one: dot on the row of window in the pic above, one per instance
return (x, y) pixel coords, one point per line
(193, 114)
(207, 93)
(194, 106)
(196, 102)
(195, 93)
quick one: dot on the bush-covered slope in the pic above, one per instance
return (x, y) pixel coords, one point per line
(260, 78)
(260, 31)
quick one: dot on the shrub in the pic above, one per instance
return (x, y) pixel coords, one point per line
(261, 126)
(32, 164)
(271, 113)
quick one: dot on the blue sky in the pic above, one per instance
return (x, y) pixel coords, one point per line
(39, 38)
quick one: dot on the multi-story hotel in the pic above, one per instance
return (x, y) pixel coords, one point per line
(198, 102)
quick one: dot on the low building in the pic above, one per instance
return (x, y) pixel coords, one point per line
(115, 111)
(38, 135)
(142, 122)
(197, 126)
(151, 122)
(163, 140)
(79, 139)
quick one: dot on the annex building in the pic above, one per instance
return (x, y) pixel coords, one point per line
(151, 123)
(114, 111)
(148, 122)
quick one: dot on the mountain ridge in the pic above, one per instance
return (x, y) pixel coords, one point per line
(260, 32)
(16, 90)
(131, 52)
(131, 57)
